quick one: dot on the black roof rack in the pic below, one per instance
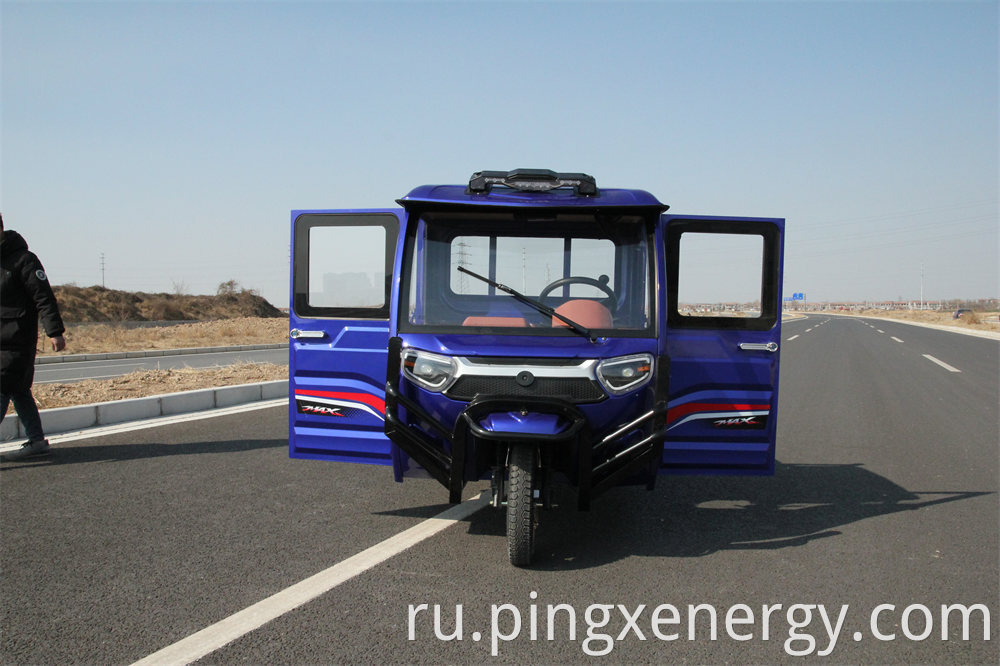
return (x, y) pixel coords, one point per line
(533, 180)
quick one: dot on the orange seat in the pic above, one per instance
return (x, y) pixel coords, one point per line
(590, 314)
(495, 321)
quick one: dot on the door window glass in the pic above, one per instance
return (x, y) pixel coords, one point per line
(346, 267)
(342, 264)
(720, 275)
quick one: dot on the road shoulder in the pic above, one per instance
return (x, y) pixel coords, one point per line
(951, 329)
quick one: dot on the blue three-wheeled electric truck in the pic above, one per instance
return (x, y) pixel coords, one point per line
(532, 328)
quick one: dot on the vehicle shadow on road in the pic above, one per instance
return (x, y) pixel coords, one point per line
(693, 516)
(72, 455)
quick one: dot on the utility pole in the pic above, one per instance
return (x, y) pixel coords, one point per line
(102, 269)
(463, 260)
(921, 286)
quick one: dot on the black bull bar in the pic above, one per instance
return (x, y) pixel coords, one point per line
(447, 464)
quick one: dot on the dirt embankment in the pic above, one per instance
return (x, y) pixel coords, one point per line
(97, 304)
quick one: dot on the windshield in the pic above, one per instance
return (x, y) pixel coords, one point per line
(466, 272)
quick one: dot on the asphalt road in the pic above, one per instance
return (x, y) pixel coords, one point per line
(886, 492)
(78, 370)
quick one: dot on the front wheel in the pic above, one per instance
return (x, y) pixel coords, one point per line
(522, 515)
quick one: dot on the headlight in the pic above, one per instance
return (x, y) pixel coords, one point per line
(621, 375)
(433, 372)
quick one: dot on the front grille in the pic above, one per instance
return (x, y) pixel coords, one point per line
(570, 389)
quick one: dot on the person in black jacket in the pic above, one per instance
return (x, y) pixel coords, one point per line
(25, 294)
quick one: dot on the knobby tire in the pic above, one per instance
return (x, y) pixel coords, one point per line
(521, 512)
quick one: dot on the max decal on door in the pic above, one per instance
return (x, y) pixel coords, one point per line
(743, 422)
(733, 411)
(311, 407)
(330, 403)
(532, 329)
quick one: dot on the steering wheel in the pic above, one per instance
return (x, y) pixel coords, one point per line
(579, 279)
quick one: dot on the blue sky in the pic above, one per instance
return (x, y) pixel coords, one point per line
(175, 137)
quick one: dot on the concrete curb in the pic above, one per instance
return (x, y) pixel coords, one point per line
(70, 358)
(69, 419)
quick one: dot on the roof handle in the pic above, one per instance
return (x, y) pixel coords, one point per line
(533, 180)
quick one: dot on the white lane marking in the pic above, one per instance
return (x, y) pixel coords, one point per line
(880, 330)
(212, 638)
(896, 339)
(807, 330)
(793, 337)
(941, 363)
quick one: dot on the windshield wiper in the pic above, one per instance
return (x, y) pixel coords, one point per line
(541, 307)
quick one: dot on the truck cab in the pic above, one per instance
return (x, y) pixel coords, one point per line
(533, 329)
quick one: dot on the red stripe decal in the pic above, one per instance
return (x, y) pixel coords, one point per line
(376, 403)
(680, 411)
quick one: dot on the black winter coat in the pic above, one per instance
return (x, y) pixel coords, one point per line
(25, 294)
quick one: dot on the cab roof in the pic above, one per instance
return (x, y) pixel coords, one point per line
(535, 188)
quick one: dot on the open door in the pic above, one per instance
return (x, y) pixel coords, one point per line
(339, 320)
(723, 337)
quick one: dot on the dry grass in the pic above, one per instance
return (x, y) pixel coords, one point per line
(144, 383)
(98, 338)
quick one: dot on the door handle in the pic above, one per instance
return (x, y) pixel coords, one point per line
(296, 334)
(759, 346)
